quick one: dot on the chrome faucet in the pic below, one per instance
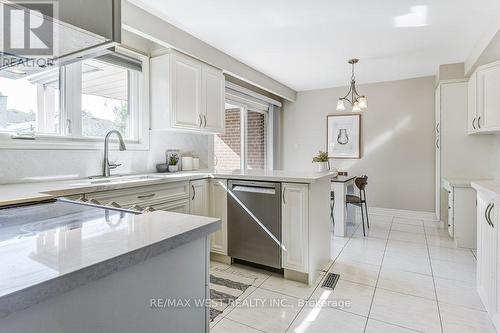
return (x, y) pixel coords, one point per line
(106, 166)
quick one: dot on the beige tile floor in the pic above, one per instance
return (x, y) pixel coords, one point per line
(404, 276)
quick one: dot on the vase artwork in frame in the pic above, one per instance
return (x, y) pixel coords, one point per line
(344, 136)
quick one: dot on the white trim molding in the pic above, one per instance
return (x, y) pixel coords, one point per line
(406, 214)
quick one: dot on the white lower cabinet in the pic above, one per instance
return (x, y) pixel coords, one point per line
(487, 255)
(198, 197)
(218, 209)
(294, 217)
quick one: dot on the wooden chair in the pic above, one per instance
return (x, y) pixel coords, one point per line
(360, 200)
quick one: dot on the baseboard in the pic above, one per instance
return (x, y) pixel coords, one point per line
(409, 214)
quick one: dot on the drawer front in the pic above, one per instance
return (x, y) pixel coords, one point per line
(180, 206)
(144, 195)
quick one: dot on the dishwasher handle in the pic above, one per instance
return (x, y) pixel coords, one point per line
(253, 189)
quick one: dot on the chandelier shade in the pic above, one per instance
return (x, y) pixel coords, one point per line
(358, 102)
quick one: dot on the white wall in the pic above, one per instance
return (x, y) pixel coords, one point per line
(39, 165)
(397, 140)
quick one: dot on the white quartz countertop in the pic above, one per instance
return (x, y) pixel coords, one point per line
(273, 175)
(69, 245)
(492, 187)
(39, 191)
(458, 182)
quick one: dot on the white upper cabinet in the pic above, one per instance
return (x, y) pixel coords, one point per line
(213, 95)
(186, 94)
(484, 100)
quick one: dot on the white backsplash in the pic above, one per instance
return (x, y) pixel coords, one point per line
(41, 165)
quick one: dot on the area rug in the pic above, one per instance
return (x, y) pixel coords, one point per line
(223, 291)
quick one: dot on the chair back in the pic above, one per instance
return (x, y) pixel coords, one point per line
(361, 182)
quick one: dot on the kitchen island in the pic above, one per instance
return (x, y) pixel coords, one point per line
(305, 206)
(74, 268)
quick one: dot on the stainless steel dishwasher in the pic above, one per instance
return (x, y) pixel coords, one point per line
(254, 222)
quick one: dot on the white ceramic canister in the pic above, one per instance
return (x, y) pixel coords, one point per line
(196, 163)
(187, 163)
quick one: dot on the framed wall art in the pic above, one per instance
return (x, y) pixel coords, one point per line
(344, 136)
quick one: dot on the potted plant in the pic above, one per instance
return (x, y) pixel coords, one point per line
(172, 163)
(321, 161)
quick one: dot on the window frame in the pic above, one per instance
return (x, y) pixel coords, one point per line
(248, 105)
(71, 115)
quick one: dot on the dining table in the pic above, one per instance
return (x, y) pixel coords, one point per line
(341, 185)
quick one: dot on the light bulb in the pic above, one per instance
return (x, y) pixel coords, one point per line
(355, 107)
(340, 105)
(363, 102)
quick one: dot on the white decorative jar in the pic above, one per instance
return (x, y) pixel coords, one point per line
(187, 163)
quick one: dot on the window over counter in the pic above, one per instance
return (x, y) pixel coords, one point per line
(247, 142)
(73, 107)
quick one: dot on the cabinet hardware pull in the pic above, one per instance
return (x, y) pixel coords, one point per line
(194, 192)
(146, 196)
(437, 128)
(479, 122)
(201, 120)
(489, 215)
(486, 214)
(437, 143)
(474, 123)
(284, 200)
(205, 117)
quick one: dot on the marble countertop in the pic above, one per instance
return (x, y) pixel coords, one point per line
(40, 191)
(69, 245)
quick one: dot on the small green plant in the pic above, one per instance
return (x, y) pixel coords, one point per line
(173, 160)
(322, 157)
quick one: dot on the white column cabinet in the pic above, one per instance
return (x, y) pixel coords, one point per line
(294, 217)
(186, 94)
(218, 209)
(199, 198)
(472, 110)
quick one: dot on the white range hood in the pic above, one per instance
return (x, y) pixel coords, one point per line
(79, 28)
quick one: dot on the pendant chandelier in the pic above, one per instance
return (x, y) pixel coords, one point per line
(358, 102)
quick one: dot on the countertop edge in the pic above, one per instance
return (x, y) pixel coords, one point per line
(40, 292)
(46, 192)
(481, 186)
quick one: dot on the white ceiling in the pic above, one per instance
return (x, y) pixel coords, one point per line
(305, 44)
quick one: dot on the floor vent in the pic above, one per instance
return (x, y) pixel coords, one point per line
(330, 281)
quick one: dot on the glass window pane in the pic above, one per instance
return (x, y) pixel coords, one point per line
(227, 146)
(256, 140)
(105, 99)
(30, 103)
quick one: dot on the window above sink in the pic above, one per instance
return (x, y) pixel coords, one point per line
(73, 107)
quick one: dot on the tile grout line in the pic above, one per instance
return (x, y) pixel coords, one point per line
(378, 276)
(434, 283)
